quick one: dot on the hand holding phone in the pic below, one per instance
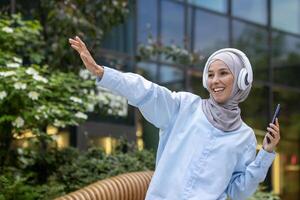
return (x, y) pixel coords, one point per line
(276, 114)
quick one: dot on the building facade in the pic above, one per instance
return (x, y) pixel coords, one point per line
(268, 31)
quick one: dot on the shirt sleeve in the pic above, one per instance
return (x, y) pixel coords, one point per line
(244, 183)
(156, 103)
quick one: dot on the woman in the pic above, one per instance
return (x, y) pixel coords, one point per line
(205, 149)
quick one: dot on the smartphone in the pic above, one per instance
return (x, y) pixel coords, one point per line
(276, 114)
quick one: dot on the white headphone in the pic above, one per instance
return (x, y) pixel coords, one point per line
(245, 77)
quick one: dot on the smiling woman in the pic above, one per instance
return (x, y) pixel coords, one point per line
(198, 137)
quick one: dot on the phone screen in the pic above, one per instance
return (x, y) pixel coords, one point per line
(276, 114)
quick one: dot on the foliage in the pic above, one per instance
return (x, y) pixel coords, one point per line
(64, 19)
(33, 96)
(68, 170)
(172, 53)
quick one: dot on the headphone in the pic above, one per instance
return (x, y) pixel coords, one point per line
(245, 76)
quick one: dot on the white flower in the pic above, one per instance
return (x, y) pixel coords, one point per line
(3, 94)
(31, 71)
(20, 86)
(19, 122)
(90, 107)
(59, 123)
(40, 78)
(115, 3)
(41, 108)
(84, 73)
(17, 60)
(76, 100)
(81, 115)
(150, 40)
(7, 29)
(33, 95)
(13, 65)
(37, 117)
(85, 91)
(7, 73)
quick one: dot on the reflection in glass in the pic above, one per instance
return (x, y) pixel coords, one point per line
(254, 108)
(211, 32)
(252, 10)
(172, 30)
(147, 70)
(289, 114)
(253, 41)
(216, 5)
(286, 59)
(170, 74)
(286, 15)
(147, 20)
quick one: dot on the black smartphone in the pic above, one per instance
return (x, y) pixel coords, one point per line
(276, 114)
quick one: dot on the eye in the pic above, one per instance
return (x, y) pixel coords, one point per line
(224, 73)
(210, 75)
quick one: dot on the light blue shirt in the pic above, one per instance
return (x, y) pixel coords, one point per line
(195, 160)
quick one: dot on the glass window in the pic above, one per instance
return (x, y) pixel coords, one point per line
(211, 33)
(286, 15)
(216, 5)
(252, 40)
(172, 24)
(169, 74)
(289, 144)
(254, 108)
(147, 20)
(252, 10)
(147, 70)
(286, 59)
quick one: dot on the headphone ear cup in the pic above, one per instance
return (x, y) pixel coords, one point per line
(242, 79)
(204, 81)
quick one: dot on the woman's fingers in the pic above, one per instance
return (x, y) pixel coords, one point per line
(274, 127)
(80, 42)
(274, 132)
(277, 123)
(76, 48)
(71, 41)
(268, 135)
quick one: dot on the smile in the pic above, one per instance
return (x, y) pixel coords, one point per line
(217, 90)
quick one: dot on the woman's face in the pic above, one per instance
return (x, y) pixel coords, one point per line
(220, 81)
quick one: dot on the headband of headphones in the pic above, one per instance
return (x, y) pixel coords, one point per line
(245, 77)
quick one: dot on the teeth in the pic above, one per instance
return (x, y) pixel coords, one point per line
(218, 89)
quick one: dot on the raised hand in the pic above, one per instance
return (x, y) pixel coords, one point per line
(274, 136)
(85, 56)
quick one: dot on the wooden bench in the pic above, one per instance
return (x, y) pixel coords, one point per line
(129, 186)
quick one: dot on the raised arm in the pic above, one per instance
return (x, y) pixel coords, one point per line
(157, 104)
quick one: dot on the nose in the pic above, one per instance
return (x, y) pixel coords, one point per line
(215, 79)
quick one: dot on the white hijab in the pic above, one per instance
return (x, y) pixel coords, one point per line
(226, 117)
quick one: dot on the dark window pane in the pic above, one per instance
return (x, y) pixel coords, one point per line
(211, 32)
(289, 113)
(147, 20)
(286, 15)
(286, 59)
(252, 10)
(252, 41)
(172, 25)
(216, 5)
(254, 108)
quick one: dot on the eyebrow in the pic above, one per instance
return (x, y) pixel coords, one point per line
(222, 69)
